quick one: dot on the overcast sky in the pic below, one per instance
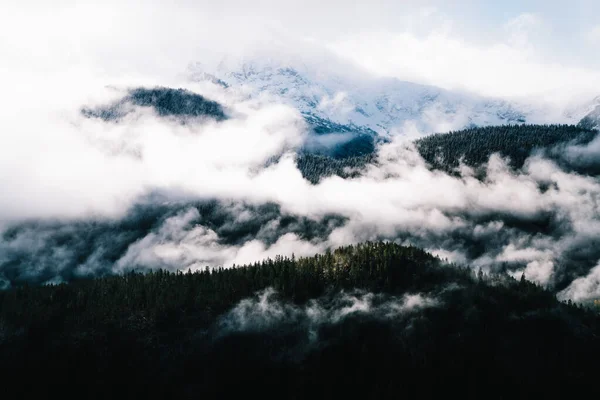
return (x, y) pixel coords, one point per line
(509, 48)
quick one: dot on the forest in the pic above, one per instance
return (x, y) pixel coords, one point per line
(517, 142)
(394, 199)
(166, 102)
(473, 147)
(318, 159)
(372, 320)
(314, 167)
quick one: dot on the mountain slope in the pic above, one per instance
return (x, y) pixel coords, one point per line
(592, 120)
(475, 146)
(445, 151)
(361, 101)
(166, 102)
(370, 321)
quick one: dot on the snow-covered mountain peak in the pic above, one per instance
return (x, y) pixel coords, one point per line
(354, 98)
(592, 119)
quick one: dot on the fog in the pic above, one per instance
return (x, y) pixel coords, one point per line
(71, 184)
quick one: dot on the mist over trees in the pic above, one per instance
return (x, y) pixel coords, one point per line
(272, 221)
(166, 102)
(38, 252)
(171, 233)
(343, 150)
(372, 320)
(314, 167)
(474, 146)
(143, 305)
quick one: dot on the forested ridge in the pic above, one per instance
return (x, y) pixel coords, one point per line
(314, 167)
(517, 142)
(375, 320)
(166, 102)
(442, 151)
(473, 147)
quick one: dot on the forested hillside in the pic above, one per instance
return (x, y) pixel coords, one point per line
(445, 151)
(314, 167)
(373, 320)
(166, 102)
(475, 146)
(299, 200)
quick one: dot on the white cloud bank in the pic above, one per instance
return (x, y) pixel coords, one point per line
(54, 163)
(501, 69)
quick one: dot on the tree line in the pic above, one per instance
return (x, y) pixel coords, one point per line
(158, 333)
(473, 147)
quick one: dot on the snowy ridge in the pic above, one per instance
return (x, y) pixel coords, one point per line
(364, 103)
(591, 117)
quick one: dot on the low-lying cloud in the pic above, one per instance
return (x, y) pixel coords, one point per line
(266, 313)
(72, 186)
(540, 220)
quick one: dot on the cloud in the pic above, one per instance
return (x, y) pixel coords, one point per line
(518, 62)
(179, 244)
(422, 42)
(63, 175)
(176, 243)
(585, 288)
(265, 312)
(539, 220)
(500, 69)
(83, 167)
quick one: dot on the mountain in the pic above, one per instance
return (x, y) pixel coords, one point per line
(474, 146)
(370, 321)
(166, 102)
(328, 138)
(359, 101)
(592, 119)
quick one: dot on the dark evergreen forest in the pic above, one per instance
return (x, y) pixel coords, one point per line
(442, 151)
(375, 320)
(166, 102)
(334, 325)
(517, 142)
(445, 151)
